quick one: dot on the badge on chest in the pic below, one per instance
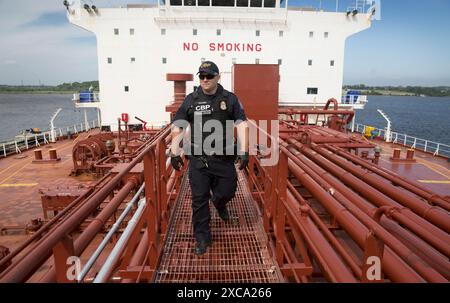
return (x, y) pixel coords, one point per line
(223, 105)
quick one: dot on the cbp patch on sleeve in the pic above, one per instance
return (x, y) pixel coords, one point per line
(223, 105)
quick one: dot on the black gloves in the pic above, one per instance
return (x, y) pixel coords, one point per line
(243, 159)
(177, 162)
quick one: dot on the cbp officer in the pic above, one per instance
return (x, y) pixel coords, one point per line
(211, 112)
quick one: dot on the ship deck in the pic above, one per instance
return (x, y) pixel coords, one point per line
(21, 180)
(20, 202)
(431, 172)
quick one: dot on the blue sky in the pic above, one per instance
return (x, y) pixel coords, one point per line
(409, 46)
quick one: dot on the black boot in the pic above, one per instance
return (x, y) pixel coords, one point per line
(201, 247)
(223, 214)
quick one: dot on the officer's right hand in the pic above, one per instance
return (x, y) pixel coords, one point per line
(243, 160)
(177, 162)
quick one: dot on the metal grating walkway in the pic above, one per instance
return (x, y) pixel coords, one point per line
(239, 253)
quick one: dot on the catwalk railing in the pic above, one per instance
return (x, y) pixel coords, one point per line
(56, 240)
(331, 220)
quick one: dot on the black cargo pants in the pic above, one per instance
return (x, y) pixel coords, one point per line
(219, 177)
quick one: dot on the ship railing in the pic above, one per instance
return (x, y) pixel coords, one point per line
(29, 141)
(354, 99)
(434, 148)
(86, 97)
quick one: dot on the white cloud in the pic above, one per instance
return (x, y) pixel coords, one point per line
(50, 54)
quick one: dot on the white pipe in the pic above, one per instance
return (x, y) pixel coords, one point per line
(111, 232)
(52, 126)
(388, 128)
(106, 269)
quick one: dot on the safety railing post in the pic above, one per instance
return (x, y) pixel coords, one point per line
(18, 151)
(62, 252)
(162, 184)
(280, 217)
(152, 206)
(45, 139)
(4, 150)
(437, 150)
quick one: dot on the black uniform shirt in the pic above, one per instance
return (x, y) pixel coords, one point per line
(237, 111)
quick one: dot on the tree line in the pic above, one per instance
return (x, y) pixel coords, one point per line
(73, 87)
(437, 91)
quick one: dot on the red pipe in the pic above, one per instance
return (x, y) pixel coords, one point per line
(331, 263)
(24, 267)
(393, 177)
(436, 215)
(376, 197)
(430, 237)
(330, 237)
(428, 254)
(335, 103)
(139, 255)
(395, 269)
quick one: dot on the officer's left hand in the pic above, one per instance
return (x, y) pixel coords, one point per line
(177, 162)
(243, 160)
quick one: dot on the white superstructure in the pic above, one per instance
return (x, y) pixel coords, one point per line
(139, 44)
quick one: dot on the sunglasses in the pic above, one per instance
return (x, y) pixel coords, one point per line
(206, 76)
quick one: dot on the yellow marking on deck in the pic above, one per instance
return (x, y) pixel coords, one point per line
(434, 169)
(63, 146)
(434, 181)
(12, 165)
(19, 185)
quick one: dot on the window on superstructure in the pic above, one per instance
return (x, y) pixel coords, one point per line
(219, 32)
(116, 31)
(175, 2)
(256, 3)
(189, 2)
(310, 62)
(222, 2)
(203, 60)
(256, 61)
(280, 61)
(194, 32)
(312, 91)
(163, 31)
(109, 60)
(127, 88)
(258, 33)
(164, 60)
(131, 31)
(325, 35)
(242, 3)
(280, 33)
(233, 60)
(133, 59)
(332, 63)
(269, 3)
(311, 34)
